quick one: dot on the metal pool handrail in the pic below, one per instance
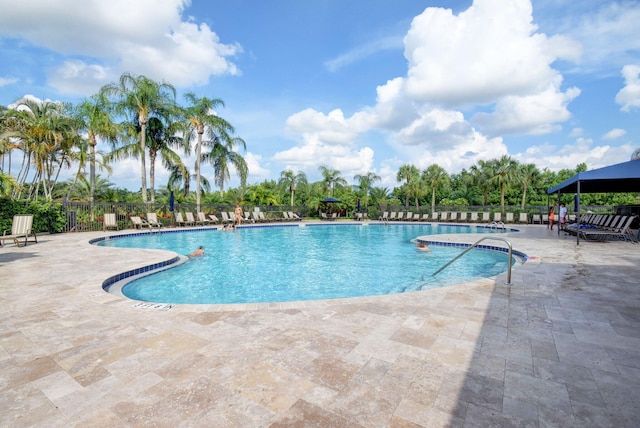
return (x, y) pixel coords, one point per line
(472, 247)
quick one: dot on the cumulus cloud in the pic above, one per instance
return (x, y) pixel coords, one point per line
(100, 40)
(629, 96)
(567, 156)
(488, 59)
(614, 133)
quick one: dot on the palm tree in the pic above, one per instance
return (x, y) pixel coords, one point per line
(504, 175)
(529, 176)
(364, 185)
(290, 180)
(45, 133)
(94, 116)
(435, 176)
(222, 155)
(200, 118)
(331, 178)
(482, 174)
(160, 140)
(142, 98)
(407, 172)
(379, 195)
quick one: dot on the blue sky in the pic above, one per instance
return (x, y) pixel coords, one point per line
(358, 86)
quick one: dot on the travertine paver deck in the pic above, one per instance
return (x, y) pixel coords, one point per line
(561, 347)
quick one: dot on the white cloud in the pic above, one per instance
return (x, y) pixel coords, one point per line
(576, 132)
(100, 40)
(569, 155)
(5, 81)
(629, 96)
(361, 52)
(256, 171)
(614, 133)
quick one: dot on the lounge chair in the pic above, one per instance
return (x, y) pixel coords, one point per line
(509, 218)
(444, 216)
(190, 219)
(152, 219)
(400, 216)
(545, 218)
(425, 217)
(435, 216)
(486, 217)
(416, 217)
(179, 219)
(109, 222)
(453, 216)
(295, 217)
(213, 218)
(463, 216)
(247, 217)
(384, 216)
(138, 222)
(393, 216)
(474, 217)
(202, 219)
(524, 218)
(535, 218)
(409, 216)
(256, 217)
(225, 217)
(263, 218)
(21, 227)
(622, 231)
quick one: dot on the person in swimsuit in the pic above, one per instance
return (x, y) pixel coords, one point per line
(198, 252)
(552, 216)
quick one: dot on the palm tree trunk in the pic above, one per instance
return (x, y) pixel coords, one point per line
(92, 168)
(152, 176)
(198, 154)
(143, 169)
(524, 195)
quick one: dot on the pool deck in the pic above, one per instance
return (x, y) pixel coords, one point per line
(560, 347)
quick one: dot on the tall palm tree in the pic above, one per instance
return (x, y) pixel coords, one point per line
(290, 180)
(161, 139)
(45, 132)
(222, 155)
(364, 185)
(143, 98)
(94, 116)
(504, 175)
(200, 118)
(331, 178)
(379, 195)
(435, 176)
(482, 174)
(407, 173)
(529, 176)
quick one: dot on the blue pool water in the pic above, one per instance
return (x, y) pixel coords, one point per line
(277, 264)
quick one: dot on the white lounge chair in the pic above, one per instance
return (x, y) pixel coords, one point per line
(453, 216)
(190, 219)
(384, 216)
(138, 222)
(213, 218)
(524, 218)
(21, 228)
(202, 219)
(179, 219)
(509, 218)
(109, 222)
(486, 217)
(497, 217)
(295, 217)
(463, 216)
(474, 217)
(152, 219)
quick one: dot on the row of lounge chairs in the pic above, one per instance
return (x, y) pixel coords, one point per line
(188, 219)
(453, 216)
(604, 227)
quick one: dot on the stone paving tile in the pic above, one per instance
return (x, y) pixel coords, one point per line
(560, 347)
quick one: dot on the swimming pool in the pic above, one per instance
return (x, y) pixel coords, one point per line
(278, 264)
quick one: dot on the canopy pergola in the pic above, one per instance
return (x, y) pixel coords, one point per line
(619, 178)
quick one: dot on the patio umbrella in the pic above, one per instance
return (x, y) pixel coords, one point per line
(330, 200)
(172, 201)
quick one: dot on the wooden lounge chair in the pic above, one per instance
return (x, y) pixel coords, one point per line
(109, 222)
(152, 219)
(21, 228)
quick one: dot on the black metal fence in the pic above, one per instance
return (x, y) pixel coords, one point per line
(83, 216)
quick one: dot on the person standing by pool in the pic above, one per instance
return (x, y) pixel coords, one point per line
(552, 216)
(563, 216)
(238, 214)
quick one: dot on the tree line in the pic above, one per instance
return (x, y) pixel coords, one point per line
(140, 118)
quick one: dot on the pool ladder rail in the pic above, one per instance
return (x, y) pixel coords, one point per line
(508, 283)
